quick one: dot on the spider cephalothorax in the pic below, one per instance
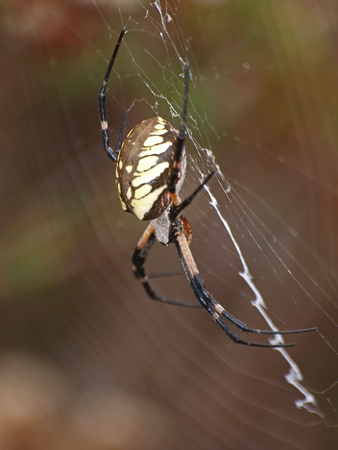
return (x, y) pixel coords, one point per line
(150, 170)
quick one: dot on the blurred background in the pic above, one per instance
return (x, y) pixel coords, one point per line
(87, 361)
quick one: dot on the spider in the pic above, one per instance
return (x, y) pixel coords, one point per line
(150, 170)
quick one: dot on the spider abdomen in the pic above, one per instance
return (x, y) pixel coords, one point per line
(145, 166)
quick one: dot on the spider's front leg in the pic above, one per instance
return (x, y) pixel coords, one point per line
(112, 154)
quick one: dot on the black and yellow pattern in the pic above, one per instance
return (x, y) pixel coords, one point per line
(144, 168)
(150, 169)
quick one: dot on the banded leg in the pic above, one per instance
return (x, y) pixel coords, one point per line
(112, 154)
(214, 308)
(138, 260)
(180, 141)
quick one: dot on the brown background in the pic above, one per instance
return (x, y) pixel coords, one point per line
(87, 361)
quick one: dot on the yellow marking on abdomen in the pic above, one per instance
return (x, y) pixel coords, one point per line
(149, 175)
(142, 191)
(156, 149)
(152, 140)
(146, 163)
(128, 193)
(144, 205)
(159, 131)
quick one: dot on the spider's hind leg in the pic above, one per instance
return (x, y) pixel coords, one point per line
(215, 309)
(138, 260)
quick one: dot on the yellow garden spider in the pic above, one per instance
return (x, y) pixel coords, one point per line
(150, 170)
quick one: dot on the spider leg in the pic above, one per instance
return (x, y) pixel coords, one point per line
(180, 140)
(120, 138)
(243, 327)
(186, 202)
(214, 308)
(139, 257)
(112, 154)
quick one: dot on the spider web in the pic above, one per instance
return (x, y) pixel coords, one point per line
(163, 21)
(263, 229)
